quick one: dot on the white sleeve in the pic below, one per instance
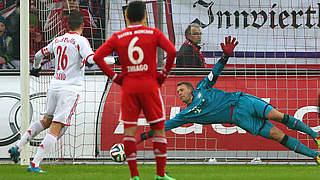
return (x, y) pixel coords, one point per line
(86, 50)
(45, 51)
(109, 59)
(37, 59)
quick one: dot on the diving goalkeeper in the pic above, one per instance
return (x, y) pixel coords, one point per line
(207, 105)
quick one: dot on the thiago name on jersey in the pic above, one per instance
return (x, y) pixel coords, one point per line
(138, 68)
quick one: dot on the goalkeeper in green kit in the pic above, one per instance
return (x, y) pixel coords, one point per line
(208, 105)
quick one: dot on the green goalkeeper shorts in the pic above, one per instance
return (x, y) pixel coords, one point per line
(250, 114)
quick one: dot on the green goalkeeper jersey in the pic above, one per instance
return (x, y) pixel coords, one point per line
(209, 105)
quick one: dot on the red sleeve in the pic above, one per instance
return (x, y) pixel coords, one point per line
(168, 46)
(104, 50)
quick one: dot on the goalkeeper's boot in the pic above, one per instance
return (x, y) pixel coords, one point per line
(165, 177)
(317, 140)
(14, 154)
(135, 178)
(33, 168)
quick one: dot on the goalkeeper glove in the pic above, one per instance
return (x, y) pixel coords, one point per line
(35, 72)
(229, 45)
(145, 136)
(162, 76)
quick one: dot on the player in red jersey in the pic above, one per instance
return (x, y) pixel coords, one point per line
(137, 48)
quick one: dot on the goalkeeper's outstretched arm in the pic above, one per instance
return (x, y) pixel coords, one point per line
(169, 124)
(145, 136)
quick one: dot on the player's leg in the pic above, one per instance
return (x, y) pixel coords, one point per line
(293, 123)
(159, 142)
(130, 148)
(66, 103)
(45, 146)
(34, 129)
(270, 131)
(154, 111)
(130, 109)
(254, 113)
(160, 150)
(266, 111)
(62, 132)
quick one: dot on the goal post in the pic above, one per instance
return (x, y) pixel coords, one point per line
(24, 77)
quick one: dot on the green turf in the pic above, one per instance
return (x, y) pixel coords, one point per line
(180, 172)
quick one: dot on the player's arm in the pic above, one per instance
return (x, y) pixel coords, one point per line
(86, 51)
(177, 121)
(167, 46)
(212, 77)
(105, 50)
(112, 60)
(169, 124)
(38, 57)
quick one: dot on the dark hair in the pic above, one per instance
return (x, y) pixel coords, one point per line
(188, 30)
(189, 85)
(75, 20)
(136, 11)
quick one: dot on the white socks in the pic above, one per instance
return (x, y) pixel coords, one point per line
(44, 148)
(34, 129)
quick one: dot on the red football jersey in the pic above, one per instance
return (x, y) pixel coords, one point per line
(89, 24)
(136, 47)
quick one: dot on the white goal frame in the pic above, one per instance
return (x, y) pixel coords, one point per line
(24, 77)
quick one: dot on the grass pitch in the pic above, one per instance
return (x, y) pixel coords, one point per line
(180, 172)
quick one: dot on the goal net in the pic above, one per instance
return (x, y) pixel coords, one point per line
(80, 138)
(277, 59)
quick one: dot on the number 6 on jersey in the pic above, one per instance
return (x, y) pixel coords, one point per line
(132, 49)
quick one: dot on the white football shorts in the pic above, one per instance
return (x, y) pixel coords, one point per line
(61, 105)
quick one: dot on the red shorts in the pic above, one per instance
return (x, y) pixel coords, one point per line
(150, 103)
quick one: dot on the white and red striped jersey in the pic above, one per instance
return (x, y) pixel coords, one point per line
(71, 51)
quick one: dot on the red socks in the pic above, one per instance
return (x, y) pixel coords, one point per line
(159, 149)
(160, 152)
(130, 149)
